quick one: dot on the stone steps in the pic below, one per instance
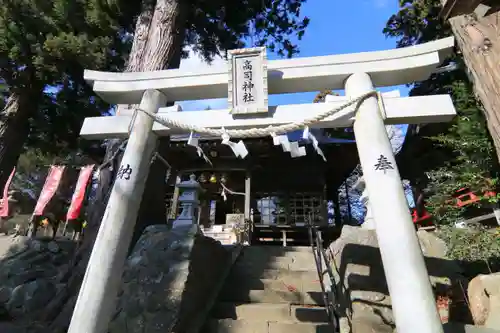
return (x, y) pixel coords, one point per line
(280, 264)
(271, 312)
(277, 251)
(272, 296)
(271, 290)
(243, 326)
(283, 284)
(274, 274)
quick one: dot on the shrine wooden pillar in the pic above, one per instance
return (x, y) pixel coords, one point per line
(175, 200)
(336, 207)
(348, 202)
(248, 193)
(205, 212)
(418, 197)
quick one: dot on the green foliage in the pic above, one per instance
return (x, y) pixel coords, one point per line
(479, 248)
(33, 165)
(44, 48)
(46, 45)
(462, 156)
(223, 25)
(416, 22)
(470, 158)
(216, 26)
(43, 39)
(31, 170)
(321, 96)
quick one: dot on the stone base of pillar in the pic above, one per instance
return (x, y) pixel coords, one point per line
(181, 223)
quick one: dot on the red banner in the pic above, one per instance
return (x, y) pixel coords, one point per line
(4, 208)
(79, 194)
(49, 188)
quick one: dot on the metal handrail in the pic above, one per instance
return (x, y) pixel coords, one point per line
(320, 257)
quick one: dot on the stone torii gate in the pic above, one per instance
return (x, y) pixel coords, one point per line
(251, 77)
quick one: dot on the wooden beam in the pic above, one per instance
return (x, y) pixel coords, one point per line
(405, 110)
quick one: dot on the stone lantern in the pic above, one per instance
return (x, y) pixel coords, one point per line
(188, 202)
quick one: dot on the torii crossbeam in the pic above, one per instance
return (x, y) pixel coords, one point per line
(412, 298)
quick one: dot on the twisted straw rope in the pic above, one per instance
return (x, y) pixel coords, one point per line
(257, 132)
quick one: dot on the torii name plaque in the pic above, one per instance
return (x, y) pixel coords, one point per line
(247, 84)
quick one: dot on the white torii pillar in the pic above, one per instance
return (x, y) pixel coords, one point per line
(97, 298)
(409, 286)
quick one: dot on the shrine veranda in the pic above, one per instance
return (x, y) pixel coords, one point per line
(258, 152)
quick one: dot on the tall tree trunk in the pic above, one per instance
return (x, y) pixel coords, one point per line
(162, 50)
(157, 45)
(479, 42)
(14, 129)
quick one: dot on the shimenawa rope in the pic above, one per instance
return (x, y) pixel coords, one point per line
(258, 132)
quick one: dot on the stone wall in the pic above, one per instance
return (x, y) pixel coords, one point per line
(169, 279)
(364, 301)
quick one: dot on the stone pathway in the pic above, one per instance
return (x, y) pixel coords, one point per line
(271, 290)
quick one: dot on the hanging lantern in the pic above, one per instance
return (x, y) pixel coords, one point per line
(202, 178)
(213, 179)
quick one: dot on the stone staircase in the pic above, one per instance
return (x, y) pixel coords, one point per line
(270, 290)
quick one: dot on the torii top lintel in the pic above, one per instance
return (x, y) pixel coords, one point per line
(386, 68)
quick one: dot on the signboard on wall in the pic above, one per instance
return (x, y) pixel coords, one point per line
(235, 218)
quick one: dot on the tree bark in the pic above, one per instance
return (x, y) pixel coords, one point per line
(480, 46)
(162, 50)
(14, 129)
(157, 45)
(157, 25)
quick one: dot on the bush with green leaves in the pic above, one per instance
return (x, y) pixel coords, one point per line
(462, 156)
(477, 249)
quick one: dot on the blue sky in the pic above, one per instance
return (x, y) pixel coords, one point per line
(336, 27)
(343, 27)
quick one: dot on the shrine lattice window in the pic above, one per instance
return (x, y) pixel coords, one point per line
(297, 208)
(270, 209)
(305, 208)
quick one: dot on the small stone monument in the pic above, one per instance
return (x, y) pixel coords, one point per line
(247, 85)
(369, 222)
(188, 201)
